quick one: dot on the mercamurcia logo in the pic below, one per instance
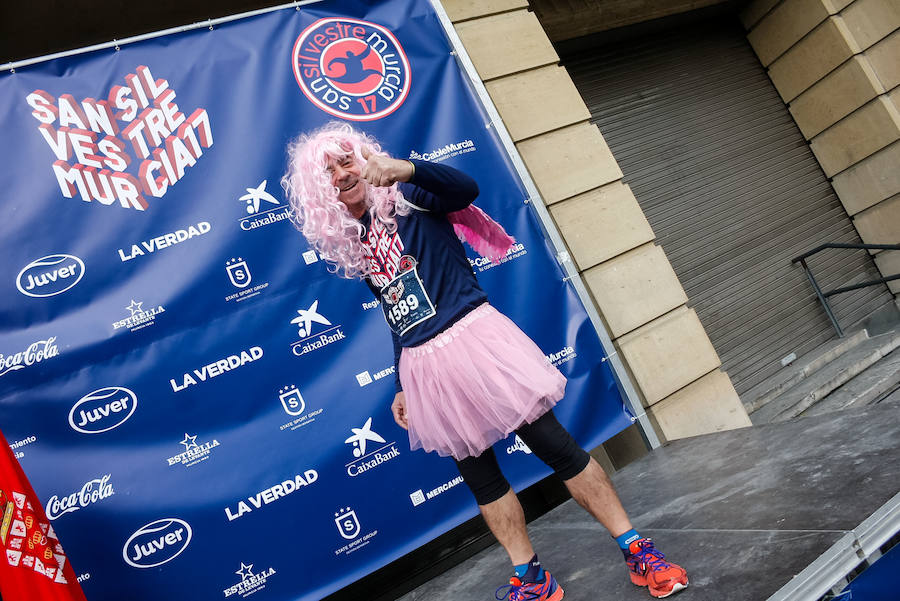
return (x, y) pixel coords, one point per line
(50, 275)
(351, 69)
(102, 410)
(157, 543)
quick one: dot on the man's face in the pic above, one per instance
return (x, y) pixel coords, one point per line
(345, 176)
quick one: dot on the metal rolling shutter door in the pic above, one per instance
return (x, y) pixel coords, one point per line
(731, 189)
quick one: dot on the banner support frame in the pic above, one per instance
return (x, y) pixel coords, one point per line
(623, 380)
(116, 44)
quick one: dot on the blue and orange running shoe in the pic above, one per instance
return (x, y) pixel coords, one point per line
(516, 590)
(649, 568)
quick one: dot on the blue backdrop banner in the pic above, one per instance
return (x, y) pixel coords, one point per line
(189, 436)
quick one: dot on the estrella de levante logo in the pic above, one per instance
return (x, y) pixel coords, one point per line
(351, 69)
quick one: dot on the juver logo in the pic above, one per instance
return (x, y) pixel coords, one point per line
(157, 543)
(102, 410)
(50, 275)
(351, 69)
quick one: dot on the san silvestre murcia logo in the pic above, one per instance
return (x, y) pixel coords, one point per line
(94, 141)
(351, 69)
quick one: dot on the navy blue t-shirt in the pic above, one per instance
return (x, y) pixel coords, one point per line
(420, 273)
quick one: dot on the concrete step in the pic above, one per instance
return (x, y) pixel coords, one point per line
(797, 399)
(892, 397)
(760, 395)
(868, 387)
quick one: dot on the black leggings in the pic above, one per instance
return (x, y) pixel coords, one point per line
(546, 438)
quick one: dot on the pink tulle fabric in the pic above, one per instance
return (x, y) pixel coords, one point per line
(474, 383)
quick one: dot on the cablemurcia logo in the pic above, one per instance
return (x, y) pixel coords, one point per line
(351, 69)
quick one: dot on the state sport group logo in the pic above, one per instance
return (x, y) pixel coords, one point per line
(295, 406)
(351, 69)
(350, 529)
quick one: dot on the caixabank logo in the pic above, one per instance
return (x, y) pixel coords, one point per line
(351, 69)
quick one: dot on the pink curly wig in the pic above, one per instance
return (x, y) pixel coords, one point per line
(323, 219)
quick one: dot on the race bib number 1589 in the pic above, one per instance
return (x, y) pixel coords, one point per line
(405, 302)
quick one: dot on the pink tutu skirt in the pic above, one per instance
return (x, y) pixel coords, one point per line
(474, 383)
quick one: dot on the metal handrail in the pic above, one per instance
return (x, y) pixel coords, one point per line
(823, 296)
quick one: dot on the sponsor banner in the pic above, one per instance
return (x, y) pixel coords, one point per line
(181, 376)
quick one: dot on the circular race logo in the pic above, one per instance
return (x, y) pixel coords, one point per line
(352, 69)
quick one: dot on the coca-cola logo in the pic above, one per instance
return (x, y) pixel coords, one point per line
(35, 353)
(93, 491)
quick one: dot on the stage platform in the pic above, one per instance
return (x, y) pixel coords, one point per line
(743, 511)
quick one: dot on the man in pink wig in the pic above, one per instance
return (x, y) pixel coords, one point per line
(466, 375)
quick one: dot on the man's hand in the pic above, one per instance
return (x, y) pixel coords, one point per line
(398, 408)
(383, 171)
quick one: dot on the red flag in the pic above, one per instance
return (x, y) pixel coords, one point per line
(33, 566)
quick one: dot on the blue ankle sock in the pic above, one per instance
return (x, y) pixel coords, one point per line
(531, 571)
(626, 539)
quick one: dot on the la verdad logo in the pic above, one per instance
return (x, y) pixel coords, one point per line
(351, 69)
